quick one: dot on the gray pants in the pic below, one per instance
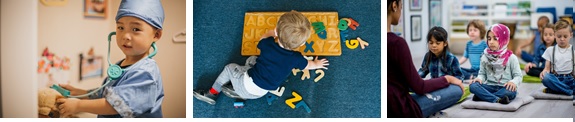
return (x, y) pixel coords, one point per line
(235, 73)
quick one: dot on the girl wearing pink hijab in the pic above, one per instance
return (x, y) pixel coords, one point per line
(499, 72)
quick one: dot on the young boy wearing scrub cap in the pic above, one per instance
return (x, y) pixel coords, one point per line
(138, 91)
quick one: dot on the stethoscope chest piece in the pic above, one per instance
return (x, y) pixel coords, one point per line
(115, 71)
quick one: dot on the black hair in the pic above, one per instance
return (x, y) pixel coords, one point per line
(440, 35)
(389, 2)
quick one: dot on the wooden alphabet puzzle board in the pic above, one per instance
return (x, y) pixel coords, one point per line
(258, 23)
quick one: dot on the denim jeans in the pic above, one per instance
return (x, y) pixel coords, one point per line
(491, 93)
(526, 56)
(559, 83)
(438, 100)
(467, 72)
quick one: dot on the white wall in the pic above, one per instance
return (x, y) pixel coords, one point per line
(419, 48)
(18, 53)
(67, 33)
(559, 5)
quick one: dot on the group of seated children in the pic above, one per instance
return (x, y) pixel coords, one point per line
(495, 72)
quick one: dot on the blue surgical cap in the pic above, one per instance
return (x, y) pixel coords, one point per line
(150, 11)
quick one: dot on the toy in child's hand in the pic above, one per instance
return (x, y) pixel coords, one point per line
(47, 102)
(61, 90)
(47, 106)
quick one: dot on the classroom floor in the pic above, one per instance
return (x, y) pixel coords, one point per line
(536, 109)
(350, 88)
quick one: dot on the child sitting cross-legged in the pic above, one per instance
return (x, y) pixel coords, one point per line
(499, 72)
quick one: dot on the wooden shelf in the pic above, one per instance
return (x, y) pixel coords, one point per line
(484, 10)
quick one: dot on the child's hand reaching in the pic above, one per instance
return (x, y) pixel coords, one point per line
(271, 32)
(68, 106)
(317, 64)
(510, 86)
(73, 90)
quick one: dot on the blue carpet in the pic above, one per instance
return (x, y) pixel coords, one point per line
(351, 87)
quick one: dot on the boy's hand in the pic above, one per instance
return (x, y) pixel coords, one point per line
(271, 32)
(510, 86)
(73, 90)
(543, 74)
(317, 64)
(68, 106)
(528, 66)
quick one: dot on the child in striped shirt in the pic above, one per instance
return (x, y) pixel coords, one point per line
(474, 48)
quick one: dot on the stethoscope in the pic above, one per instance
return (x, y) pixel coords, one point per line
(114, 72)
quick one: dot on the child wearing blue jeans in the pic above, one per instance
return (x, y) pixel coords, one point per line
(499, 72)
(535, 40)
(548, 38)
(438, 60)
(271, 68)
(558, 73)
(474, 48)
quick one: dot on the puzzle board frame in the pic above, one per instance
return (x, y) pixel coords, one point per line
(258, 23)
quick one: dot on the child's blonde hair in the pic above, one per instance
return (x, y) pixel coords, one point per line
(479, 25)
(293, 29)
(562, 24)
